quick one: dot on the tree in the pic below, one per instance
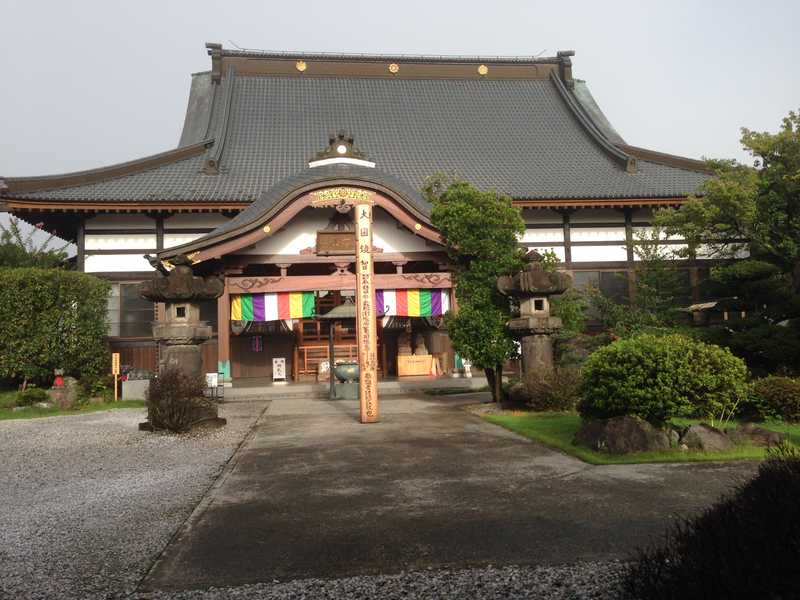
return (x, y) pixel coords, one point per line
(749, 208)
(18, 249)
(480, 231)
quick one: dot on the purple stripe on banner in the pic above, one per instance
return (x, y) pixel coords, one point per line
(379, 309)
(258, 307)
(436, 303)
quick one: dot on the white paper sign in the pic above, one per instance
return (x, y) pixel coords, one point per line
(212, 380)
(279, 369)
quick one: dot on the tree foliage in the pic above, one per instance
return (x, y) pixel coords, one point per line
(754, 208)
(49, 319)
(480, 231)
(18, 249)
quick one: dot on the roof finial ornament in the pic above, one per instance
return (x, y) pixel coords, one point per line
(565, 67)
(340, 150)
(215, 52)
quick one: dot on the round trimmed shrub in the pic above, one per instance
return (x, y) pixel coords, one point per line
(660, 377)
(774, 397)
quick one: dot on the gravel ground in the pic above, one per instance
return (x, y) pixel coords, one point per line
(574, 582)
(87, 502)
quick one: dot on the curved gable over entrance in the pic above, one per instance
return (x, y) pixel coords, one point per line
(332, 185)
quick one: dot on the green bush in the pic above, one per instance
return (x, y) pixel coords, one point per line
(660, 377)
(174, 400)
(51, 319)
(31, 396)
(556, 389)
(773, 397)
(744, 546)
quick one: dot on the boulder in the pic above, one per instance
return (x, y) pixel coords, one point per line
(707, 438)
(622, 435)
(750, 432)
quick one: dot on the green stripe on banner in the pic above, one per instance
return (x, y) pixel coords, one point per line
(424, 303)
(247, 307)
(308, 304)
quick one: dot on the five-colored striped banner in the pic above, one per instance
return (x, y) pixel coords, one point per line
(412, 303)
(300, 305)
(272, 307)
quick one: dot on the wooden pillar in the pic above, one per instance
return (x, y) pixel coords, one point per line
(366, 326)
(631, 267)
(159, 232)
(567, 243)
(80, 242)
(224, 333)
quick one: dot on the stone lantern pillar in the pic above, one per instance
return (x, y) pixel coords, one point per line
(535, 327)
(182, 332)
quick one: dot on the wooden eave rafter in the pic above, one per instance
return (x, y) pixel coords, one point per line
(598, 202)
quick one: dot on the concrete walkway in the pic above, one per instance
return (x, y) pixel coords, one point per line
(313, 493)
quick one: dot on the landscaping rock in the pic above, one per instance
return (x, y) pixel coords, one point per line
(19, 408)
(707, 438)
(674, 438)
(622, 435)
(758, 435)
(43, 405)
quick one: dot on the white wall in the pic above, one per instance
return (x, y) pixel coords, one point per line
(115, 263)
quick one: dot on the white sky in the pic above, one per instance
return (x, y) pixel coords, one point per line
(87, 83)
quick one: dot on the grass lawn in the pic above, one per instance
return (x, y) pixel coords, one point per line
(33, 412)
(557, 430)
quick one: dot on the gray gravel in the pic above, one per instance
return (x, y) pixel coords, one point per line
(582, 581)
(87, 502)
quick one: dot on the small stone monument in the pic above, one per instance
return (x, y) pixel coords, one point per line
(533, 286)
(182, 332)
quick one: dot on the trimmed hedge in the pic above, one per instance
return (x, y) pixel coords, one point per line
(50, 319)
(660, 377)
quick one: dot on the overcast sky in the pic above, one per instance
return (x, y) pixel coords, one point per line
(90, 83)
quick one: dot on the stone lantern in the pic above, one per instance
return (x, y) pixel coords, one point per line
(181, 332)
(535, 327)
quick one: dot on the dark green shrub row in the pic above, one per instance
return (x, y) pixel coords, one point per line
(51, 319)
(660, 377)
(745, 546)
(773, 397)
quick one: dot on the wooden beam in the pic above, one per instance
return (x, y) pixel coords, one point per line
(308, 283)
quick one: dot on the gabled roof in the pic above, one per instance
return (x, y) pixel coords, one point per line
(524, 128)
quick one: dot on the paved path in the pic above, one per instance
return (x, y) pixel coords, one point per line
(313, 493)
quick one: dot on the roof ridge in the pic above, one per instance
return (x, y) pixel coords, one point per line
(664, 158)
(455, 58)
(76, 178)
(625, 160)
(211, 166)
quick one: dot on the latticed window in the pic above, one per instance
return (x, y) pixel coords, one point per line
(129, 315)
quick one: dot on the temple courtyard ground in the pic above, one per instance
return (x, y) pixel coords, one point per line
(296, 490)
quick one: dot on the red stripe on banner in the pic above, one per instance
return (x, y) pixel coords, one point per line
(401, 299)
(283, 306)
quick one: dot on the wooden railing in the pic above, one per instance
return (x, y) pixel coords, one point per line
(307, 358)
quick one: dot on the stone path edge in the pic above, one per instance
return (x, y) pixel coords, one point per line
(205, 502)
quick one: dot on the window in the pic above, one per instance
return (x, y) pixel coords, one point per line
(129, 315)
(613, 284)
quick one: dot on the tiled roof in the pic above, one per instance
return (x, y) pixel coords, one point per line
(522, 137)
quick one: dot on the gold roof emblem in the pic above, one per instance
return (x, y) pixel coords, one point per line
(483, 70)
(394, 68)
(300, 65)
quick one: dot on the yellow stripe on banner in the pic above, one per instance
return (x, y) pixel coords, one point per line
(236, 308)
(296, 305)
(413, 303)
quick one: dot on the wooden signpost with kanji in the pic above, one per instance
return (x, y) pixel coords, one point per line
(115, 371)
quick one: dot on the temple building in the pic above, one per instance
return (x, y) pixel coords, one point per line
(275, 145)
